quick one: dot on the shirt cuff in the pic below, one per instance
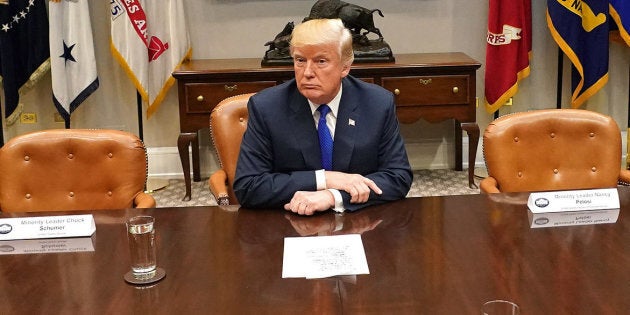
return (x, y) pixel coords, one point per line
(320, 179)
(338, 200)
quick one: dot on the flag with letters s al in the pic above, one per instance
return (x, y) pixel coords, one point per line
(580, 28)
(23, 50)
(150, 40)
(508, 50)
(72, 61)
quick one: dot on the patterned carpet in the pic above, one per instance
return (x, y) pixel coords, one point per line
(426, 183)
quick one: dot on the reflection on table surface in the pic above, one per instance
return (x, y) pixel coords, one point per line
(42, 246)
(444, 255)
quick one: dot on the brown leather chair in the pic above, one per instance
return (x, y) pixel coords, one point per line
(552, 149)
(73, 169)
(228, 122)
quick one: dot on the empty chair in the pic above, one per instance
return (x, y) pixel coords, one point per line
(228, 122)
(73, 169)
(552, 149)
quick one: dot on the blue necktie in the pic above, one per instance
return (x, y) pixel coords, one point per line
(325, 139)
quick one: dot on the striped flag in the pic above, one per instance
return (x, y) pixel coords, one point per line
(150, 40)
(72, 62)
(508, 50)
(23, 50)
(620, 13)
(581, 31)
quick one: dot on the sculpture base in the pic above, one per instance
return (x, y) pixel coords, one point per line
(376, 51)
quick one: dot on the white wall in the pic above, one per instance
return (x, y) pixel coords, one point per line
(239, 28)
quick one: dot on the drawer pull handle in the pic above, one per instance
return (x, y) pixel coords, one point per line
(231, 88)
(425, 81)
(397, 91)
(455, 90)
(200, 98)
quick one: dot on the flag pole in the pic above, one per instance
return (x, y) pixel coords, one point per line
(559, 81)
(139, 105)
(628, 131)
(152, 184)
(1, 131)
(2, 134)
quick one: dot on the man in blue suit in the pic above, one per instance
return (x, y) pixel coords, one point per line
(362, 160)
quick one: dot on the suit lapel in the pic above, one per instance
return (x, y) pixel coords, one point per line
(345, 129)
(302, 126)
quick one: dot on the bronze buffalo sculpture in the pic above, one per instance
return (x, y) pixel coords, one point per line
(360, 22)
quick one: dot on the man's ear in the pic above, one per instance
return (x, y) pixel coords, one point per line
(345, 70)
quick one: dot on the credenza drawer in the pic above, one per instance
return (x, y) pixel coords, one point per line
(429, 90)
(203, 97)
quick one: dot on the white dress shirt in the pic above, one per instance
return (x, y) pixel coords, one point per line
(331, 121)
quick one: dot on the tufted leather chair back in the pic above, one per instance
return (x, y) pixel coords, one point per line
(73, 169)
(228, 122)
(555, 149)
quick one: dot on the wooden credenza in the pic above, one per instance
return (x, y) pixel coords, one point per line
(432, 86)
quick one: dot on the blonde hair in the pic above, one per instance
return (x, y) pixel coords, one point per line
(324, 31)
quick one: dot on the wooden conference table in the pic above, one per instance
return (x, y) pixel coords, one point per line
(432, 255)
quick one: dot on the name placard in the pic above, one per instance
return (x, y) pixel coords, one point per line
(47, 227)
(569, 218)
(573, 200)
(42, 246)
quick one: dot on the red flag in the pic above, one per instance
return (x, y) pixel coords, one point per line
(508, 49)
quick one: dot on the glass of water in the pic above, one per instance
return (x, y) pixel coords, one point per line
(141, 235)
(500, 307)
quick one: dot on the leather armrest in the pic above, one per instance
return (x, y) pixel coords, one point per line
(624, 177)
(489, 185)
(218, 187)
(144, 200)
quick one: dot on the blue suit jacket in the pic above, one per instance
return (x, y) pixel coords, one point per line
(280, 148)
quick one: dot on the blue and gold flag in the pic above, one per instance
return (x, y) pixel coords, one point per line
(620, 13)
(23, 49)
(580, 28)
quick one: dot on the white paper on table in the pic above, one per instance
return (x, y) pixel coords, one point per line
(323, 256)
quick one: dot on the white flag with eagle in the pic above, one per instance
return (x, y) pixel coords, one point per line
(72, 61)
(150, 40)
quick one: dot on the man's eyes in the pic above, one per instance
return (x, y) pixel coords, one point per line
(318, 62)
